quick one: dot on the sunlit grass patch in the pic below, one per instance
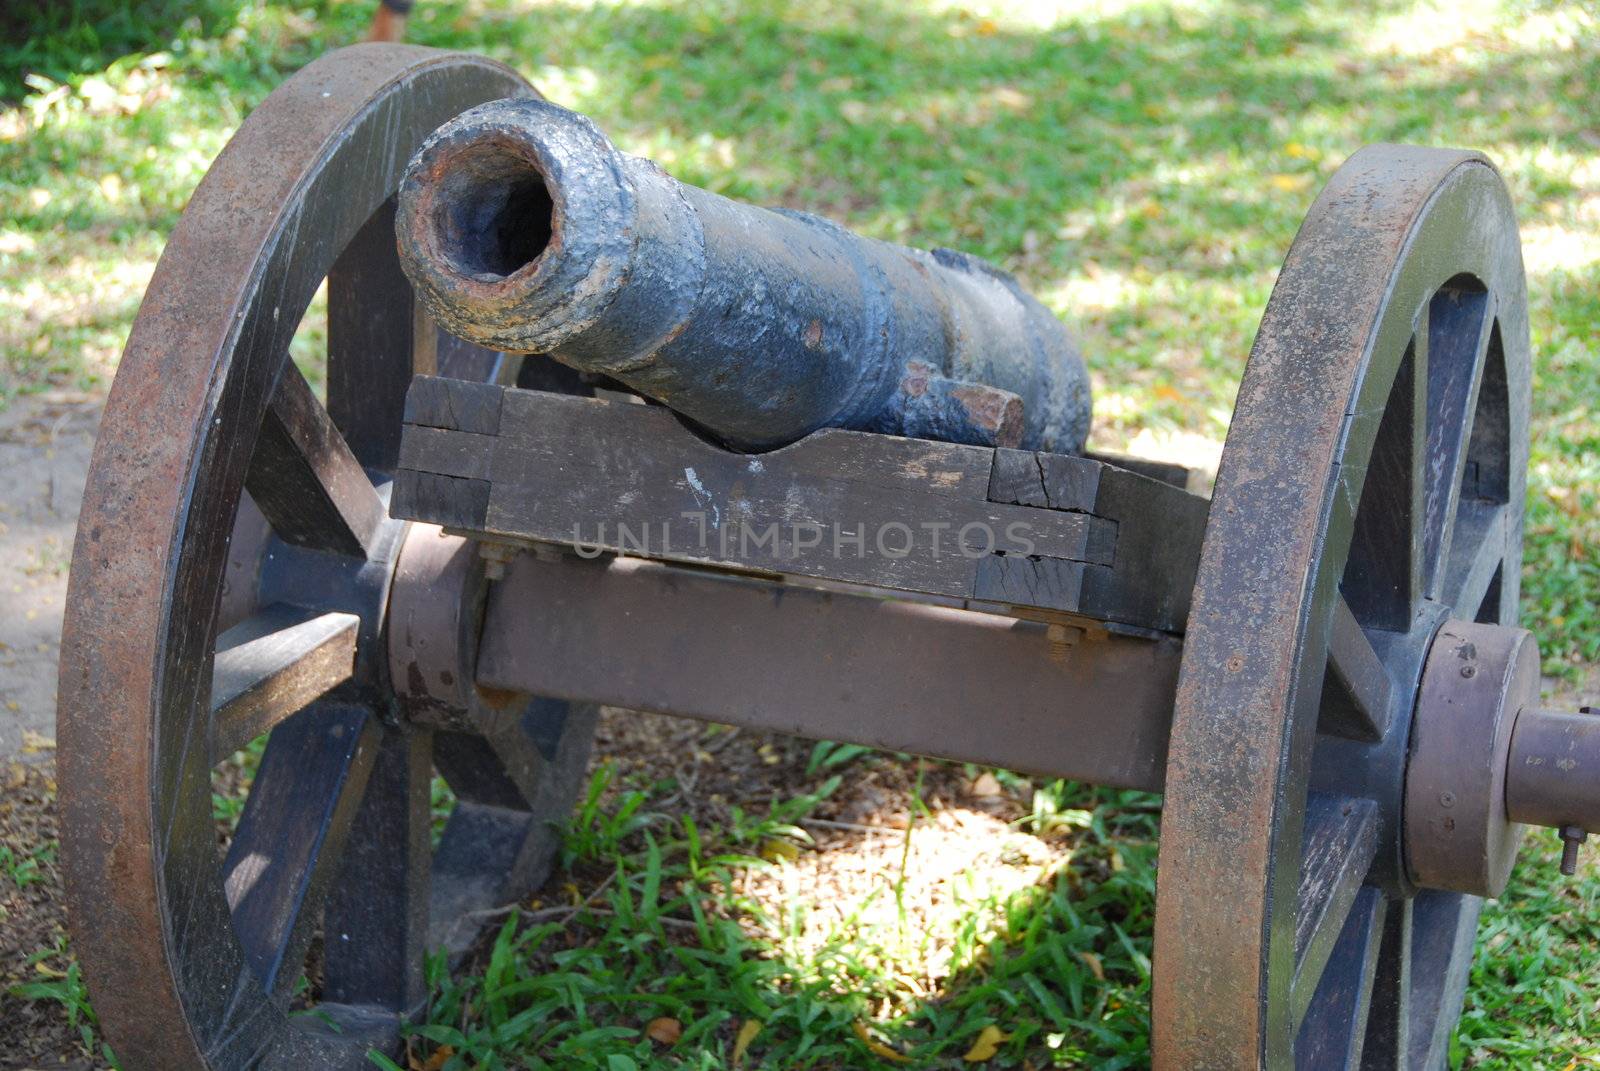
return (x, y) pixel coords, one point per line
(823, 943)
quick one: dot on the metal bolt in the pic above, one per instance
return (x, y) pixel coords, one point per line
(1572, 837)
(496, 556)
(1469, 671)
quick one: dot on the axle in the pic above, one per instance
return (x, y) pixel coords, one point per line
(525, 230)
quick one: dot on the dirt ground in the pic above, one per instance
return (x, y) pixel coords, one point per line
(45, 443)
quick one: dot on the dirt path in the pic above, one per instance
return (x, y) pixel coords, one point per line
(45, 443)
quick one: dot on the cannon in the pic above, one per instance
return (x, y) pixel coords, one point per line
(447, 564)
(526, 231)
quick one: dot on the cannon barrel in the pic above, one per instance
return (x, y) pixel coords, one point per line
(525, 230)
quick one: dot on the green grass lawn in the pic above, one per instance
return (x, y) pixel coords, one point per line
(1143, 168)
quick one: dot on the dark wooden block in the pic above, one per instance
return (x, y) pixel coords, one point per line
(463, 454)
(457, 404)
(448, 501)
(1045, 481)
(1046, 583)
(1159, 532)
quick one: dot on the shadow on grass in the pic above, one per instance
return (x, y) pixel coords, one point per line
(700, 926)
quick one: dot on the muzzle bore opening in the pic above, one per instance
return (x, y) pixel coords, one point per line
(493, 214)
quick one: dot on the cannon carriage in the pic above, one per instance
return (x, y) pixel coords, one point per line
(449, 563)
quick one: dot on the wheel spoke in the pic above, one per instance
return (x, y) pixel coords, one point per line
(1357, 691)
(1477, 551)
(270, 666)
(294, 826)
(1341, 839)
(1330, 1035)
(1387, 1042)
(500, 840)
(377, 339)
(1443, 928)
(1487, 474)
(305, 479)
(505, 765)
(1381, 579)
(1458, 336)
(375, 930)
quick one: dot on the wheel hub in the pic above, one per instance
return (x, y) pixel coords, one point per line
(1485, 761)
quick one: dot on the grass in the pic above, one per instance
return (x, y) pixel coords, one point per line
(673, 934)
(1143, 168)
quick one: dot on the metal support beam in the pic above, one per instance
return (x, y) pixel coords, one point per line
(1053, 699)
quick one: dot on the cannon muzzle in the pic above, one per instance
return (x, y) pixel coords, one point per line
(525, 230)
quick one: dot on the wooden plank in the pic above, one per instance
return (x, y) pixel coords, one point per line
(1016, 580)
(1038, 531)
(1158, 531)
(270, 666)
(1045, 481)
(1044, 698)
(304, 478)
(847, 506)
(889, 462)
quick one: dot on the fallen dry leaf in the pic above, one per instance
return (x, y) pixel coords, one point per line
(986, 1045)
(33, 742)
(986, 784)
(440, 1056)
(776, 850)
(878, 1048)
(665, 1030)
(747, 1034)
(1095, 966)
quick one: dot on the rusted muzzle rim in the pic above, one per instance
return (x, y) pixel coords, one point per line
(1458, 833)
(497, 208)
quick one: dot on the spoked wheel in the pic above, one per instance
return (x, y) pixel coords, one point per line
(201, 617)
(1366, 519)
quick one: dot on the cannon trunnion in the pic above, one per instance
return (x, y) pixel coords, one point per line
(436, 570)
